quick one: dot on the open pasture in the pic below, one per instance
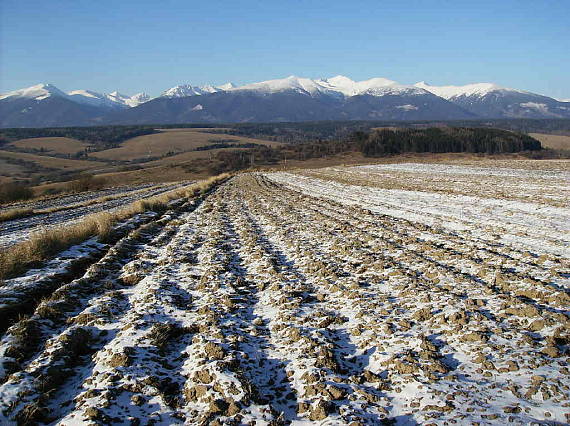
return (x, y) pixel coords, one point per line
(175, 141)
(50, 146)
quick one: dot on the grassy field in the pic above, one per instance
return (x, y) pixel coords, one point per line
(8, 170)
(52, 145)
(552, 141)
(170, 141)
(50, 162)
(171, 152)
(150, 174)
(185, 157)
(196, 129)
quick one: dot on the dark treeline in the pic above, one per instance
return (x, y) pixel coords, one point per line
(232, 160)
(14, 191)
(385, 142)
(231, 144)
(522, 125)
(446, 139)
(333, 130)
(301, 132)
(104, 135)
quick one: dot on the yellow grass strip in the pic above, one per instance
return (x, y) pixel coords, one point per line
(45, 244)
(20, 213)
(15, 214)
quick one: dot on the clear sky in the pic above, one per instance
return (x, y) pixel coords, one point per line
(142, 45)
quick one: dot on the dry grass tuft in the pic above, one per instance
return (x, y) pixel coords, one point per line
(20, 213)
(45, 244)
(15, 214)
(32, 413)
(160, 334)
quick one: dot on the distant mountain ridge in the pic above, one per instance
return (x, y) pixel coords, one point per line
(288, 99)
(488, 100)
(87, 97)
(189, 90)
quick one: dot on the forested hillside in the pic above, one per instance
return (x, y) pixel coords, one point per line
(107, 135)
(437, 140)
(385, 142)
(283, 132)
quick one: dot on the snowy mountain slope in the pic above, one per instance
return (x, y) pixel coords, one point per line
(88, 97)
(139, 98)
(401, 104)
(492, 101)
(184, 90)
(88, 94)
(51, 111)
(294, 83)
(339, 86)
(227, 86)
(292, 100)
(231, 106)
(375, 86)
(37, 92)
(45, 105)
(475, 89)
(128, 101)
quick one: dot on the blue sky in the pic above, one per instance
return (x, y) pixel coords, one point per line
(150, 46)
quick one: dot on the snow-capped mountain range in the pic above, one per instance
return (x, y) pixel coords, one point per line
(189, 90)
(288, 99)
(87, 97)
(336, 86)
(476, 89)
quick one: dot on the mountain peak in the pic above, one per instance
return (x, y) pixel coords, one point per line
(130, 101)
(473, 89)
(87, 93)
(340, 77)
(141, 95)
(112, 100)
(298, 84)
(227, 86)
(117, 94)
(339, 80)
(139, 98)
(349, 87)
(38, 92)
(184, 90)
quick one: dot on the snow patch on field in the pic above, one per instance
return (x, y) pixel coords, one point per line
(450, 169)
(534, 227)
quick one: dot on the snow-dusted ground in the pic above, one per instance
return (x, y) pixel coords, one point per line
(288, 299)
(65, 200)
(526, 225)
(14, 231)
(545, 182)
